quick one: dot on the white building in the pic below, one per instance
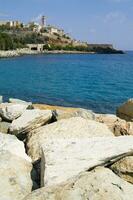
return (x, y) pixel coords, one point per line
(11, 23)
(55, 30)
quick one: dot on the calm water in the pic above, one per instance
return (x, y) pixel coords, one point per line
(97, 82)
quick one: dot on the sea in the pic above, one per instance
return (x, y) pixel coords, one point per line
(98, 82)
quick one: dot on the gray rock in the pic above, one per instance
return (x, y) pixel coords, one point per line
(10, 112)
(75, 127)
(64, 158)
(4, 127)
(30, 120)
(125, 111)
(98, 184)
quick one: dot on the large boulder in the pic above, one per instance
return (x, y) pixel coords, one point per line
(107, 119)
(15, 169)
(10, 112)
(29, 120)
(124, 168)
(64, 158)
(98, 184)
(125, 111)
(15, 177)
(75, 127)
(19, 101)
(86, 114)
(115, 124)
(11, 144)
(123, 127)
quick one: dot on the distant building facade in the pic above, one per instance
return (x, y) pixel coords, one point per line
(36, 47)
(11, 23)
(55, 30)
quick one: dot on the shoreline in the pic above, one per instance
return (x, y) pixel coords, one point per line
(26, 51)
(22, 52)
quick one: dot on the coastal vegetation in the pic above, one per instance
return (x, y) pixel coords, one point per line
(66, 48)
(8, 42)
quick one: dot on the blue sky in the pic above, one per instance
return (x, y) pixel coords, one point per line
(95, 21)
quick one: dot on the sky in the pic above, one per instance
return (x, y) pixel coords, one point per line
(94, 21)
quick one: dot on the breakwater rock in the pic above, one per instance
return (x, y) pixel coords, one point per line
(18, 52)
(64, 153)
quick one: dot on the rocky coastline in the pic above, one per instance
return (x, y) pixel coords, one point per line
(16, 53)
(26, 51)
(57, 153)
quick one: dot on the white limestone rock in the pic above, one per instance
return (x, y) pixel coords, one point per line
(10, 112)
(29, 120)
(98, 184)
(11, 144)
(84, 113)
(76, 127)
(15, 178)
(19, 101)
(65, 158)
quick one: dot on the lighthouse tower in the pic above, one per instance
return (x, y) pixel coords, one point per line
(43, 21)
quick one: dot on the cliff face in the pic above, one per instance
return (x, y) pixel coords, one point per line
(104, 46)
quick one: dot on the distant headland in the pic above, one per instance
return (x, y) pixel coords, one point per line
(17, 38)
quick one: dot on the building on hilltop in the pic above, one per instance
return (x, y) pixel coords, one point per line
(11, 23)
(15, 23)
(54, 30)
(76, 43)
(43, 21)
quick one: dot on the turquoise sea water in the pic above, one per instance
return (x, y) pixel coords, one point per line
(97, 82)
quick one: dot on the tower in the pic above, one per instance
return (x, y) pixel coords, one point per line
(43, 21)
